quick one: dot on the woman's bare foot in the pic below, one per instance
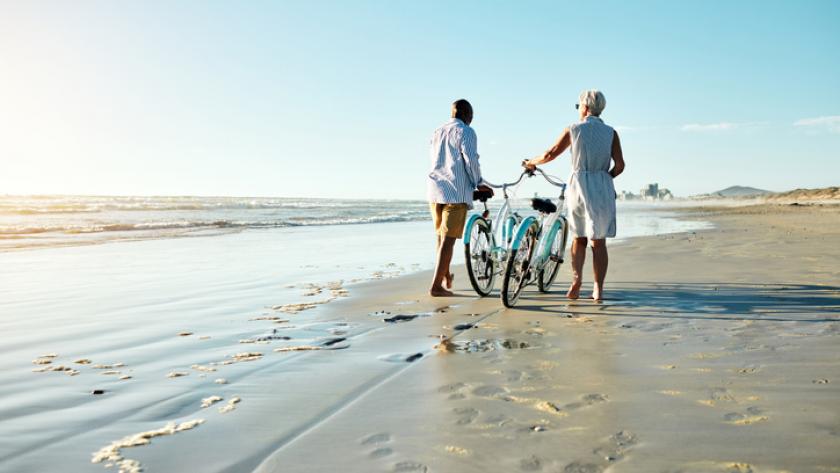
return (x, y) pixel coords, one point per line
(597, 294)
(574, 290)
(440, 292)
(447, 281)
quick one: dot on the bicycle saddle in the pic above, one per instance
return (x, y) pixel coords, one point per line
(543, 205)
(482, 195)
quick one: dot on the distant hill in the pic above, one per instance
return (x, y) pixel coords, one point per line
(740, 191)
(808, 195)
(798, 195)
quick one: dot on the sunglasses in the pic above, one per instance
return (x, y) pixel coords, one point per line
(577, 106)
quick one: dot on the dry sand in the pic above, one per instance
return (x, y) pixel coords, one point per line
(714, 351)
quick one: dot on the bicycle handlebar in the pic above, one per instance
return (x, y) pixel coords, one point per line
(551, 180)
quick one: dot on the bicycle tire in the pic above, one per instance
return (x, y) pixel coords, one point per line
(481, 268)
(516, 271)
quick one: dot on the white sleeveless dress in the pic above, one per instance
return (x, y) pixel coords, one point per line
(590, 197)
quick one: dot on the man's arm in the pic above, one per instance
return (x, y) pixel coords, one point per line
(469, 149)
(618, 157)
(562, 144)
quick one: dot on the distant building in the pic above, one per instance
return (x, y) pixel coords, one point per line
(650, 192)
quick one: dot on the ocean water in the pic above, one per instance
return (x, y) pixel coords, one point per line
(29, 222)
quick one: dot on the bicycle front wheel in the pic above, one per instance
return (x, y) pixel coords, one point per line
(519, 267)
(480, 265)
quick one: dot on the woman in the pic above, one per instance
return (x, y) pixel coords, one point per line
(591, 195)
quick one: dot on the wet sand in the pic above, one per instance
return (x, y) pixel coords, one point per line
(713, 351)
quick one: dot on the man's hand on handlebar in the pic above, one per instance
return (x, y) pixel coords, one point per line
(484, 188)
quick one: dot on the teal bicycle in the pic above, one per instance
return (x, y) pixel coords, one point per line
(527, 250)
(486, 246)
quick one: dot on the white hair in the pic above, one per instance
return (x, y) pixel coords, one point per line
(593, 99)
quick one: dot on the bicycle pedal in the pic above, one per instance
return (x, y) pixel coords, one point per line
(556, 259)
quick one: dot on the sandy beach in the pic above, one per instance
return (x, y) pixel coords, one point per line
(715, 350)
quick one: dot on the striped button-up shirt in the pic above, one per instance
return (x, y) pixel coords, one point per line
(455, 170)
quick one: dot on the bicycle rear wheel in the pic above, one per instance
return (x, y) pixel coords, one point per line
(480, 265)
(519, 267)
(552, 266)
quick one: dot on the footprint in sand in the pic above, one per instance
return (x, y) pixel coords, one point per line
(578, 467)
(532, 463)
(454, 391)
(466, 415)
(380, 452)
(751, 416)
(377, 440)
(489, 391)
(616, 446)
(514, 376)
(585, 401)
(410, 467)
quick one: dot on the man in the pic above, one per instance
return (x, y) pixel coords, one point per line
(455, 175)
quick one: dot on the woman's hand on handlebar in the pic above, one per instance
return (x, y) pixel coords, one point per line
(526, 163)
(483, 188)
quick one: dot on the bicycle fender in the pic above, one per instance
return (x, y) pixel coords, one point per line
(520, 232)
(552, 234)
(468, 227)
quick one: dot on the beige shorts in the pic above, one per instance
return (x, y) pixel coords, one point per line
(449, 218)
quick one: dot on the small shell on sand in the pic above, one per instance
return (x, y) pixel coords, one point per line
(204, 337)
(108, 367)
(457, 450)
(184, 334)
(300, 348)
(125, 376)
(177, 374)
(70, 371)
(206, 369)
(247, 356)
(112, 453)
(110, 372)
(295, 308)
(209, 401)
(220, 381)
(82, 361)
(272, 318)
(43, 360)
(231, 405)
(547, 406)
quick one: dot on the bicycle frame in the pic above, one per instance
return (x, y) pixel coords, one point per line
(502, 235)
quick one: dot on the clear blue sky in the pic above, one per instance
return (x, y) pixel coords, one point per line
(339, 98)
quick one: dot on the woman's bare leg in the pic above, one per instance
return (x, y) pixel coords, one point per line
(578, 257)
(600, 261)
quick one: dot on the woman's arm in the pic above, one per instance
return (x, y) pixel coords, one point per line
(563, 142)
(618, 157)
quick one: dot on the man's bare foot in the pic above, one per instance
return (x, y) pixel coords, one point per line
(440, 292)
(574, 291)
(447, 281)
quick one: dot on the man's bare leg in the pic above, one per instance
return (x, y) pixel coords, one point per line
(600, 261)
(578, 257)
(442, 267)
(447, 280)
